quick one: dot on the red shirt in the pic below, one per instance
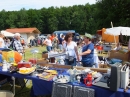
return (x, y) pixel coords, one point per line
(51, 38)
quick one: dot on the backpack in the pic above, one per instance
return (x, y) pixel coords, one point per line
(11, 45)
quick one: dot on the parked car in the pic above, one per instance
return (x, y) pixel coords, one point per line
(76, 36)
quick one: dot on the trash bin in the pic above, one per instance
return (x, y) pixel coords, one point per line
(5, 93)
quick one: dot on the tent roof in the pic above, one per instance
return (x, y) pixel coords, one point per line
(7, 34)
(23, 30)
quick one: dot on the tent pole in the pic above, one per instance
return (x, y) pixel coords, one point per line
(114, 35)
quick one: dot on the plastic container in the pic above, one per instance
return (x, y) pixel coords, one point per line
(24, 64)
(33, 61)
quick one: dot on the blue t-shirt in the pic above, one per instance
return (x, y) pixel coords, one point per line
(1, 58)
(60, 40)
(88, 59)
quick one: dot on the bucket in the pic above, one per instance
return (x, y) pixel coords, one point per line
(4, 93)
(52, 60)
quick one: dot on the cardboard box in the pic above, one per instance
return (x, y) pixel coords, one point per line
(45, 56)
(124, 56)
(103, 70)
(103, 66)
(42, 61)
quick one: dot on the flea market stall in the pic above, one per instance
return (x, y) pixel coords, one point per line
(51, 77)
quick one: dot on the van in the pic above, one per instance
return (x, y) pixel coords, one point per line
(76, 36)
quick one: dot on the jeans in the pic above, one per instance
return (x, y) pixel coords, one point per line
(60, 46)
(67, 62)
(49, 48)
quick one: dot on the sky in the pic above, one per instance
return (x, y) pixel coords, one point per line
(13, 5)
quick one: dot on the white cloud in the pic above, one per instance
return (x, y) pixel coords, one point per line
(10, 5)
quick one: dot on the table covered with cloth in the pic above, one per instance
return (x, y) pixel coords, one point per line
(42, 87)
(46, 86)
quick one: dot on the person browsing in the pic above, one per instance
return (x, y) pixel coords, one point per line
(16, 43)
(87, 52)
(70, 47)
(48, 43)
(60, 46)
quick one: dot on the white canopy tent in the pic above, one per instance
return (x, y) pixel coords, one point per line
(7, 34)
(118, 30)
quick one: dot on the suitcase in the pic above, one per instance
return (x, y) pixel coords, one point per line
(61, 90)
(83, 92)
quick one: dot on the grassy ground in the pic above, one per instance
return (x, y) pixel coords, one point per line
(29, 55)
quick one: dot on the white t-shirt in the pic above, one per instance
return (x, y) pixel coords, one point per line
(70, 49)
(3, 43)
(48, 42)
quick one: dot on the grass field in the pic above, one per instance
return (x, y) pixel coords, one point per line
(29, 55)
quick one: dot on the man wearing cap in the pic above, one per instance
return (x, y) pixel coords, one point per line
(17, 46)
(87, 52)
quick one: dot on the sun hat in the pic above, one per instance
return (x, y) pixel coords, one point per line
(88, 35)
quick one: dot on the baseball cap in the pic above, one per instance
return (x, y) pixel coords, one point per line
(88, 35)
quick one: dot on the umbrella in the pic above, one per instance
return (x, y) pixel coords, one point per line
(7, 34)
(117, 30)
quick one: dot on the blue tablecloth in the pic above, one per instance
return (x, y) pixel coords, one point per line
(38, 84)
(42, 87)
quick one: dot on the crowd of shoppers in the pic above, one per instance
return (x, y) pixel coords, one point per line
(82, 51)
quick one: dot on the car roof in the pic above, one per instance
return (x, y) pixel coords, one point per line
(72, 31)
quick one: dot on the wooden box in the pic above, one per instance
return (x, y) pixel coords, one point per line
(124, 56)
(42, 61)
(45, 56)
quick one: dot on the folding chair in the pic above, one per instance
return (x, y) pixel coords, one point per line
(7, 79)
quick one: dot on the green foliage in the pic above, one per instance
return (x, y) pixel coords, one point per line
(82, 18)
